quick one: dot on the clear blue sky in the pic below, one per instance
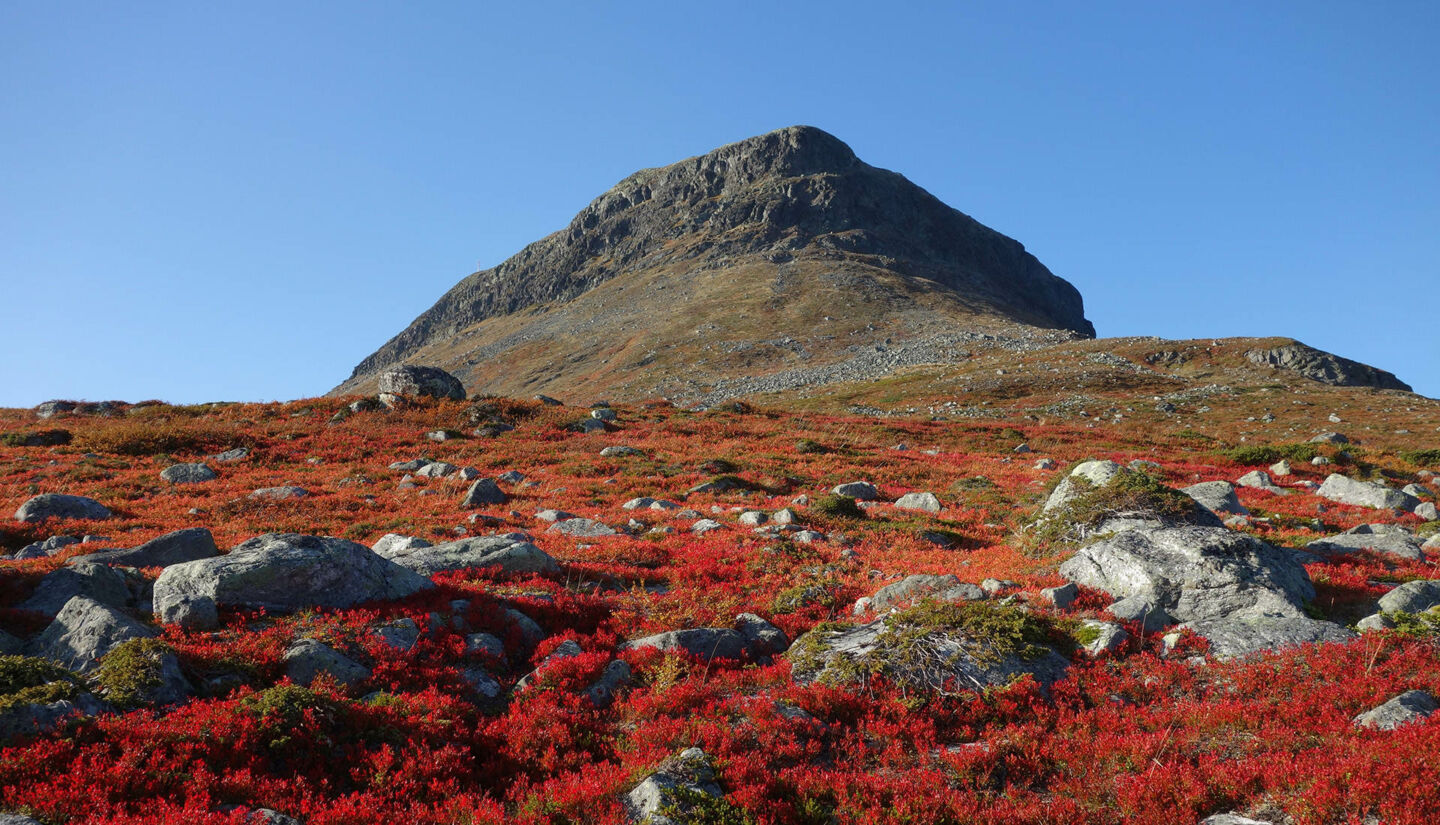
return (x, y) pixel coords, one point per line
(240, 201)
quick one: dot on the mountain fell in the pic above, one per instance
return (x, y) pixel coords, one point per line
(777, 252)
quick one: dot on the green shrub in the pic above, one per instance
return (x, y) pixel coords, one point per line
(27, 680)
(1421, 458)
(694, 807)
(1130, 492)
(129, 671)
(808, 446)
(831, 505)
(1271, 453)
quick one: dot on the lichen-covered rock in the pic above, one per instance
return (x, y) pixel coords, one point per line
(1345, 490)
(761, 638)
(415, 382)
(704, 642)
(281, 572)
(1217, 497)
(924, 502)
(188, 474)
(934, 646)
(1412, 597)
(190, 544)
(281, 493)
(58, 505)
(1241, 593)
(1409, 707)
(93, 581)
(503, 552)
(1324, 367)
(582, 528)
(392, 543)
(482, 493)
(1100, 497)
(946, 588)
(308, 659)
(664, 790)
(84, 631)
(1390, 539)
(858, 490)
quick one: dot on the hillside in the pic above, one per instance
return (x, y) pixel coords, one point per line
(777, 251)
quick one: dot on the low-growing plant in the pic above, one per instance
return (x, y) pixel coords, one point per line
(28, 680)
(129, 671)
(831, 505)
(1129, 493)
(1422, 458)
(1271, 453)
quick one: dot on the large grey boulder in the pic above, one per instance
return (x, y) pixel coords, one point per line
(484, 492)
(281, 572)
(940, 658)
(508, 554)
(1239, 592)
(188, 474)
(1345, 490)
(1412, 597)
(761, 637)
(1390, 539)
(307, 659)
(1410, 706)
(190, 544)
(1217, 497)
(93, 581)
(705, 642)
(84, 631)
(946, 588)
(690, 772)
(1233, 819)
(58, 505)
(414, 382)
(1101, 497)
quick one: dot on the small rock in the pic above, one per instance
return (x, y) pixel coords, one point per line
(858, 490)
(752, 518)
(1281, 468)
(704, 526)
(619, 452)
(1104, 637)
(1062, 597)
(582, 528)
(603, 414)
(229, 456)
(307, 659)
(924, 502)
(1046, 464)
(482, 493)
(1410, 706)
(283, 493)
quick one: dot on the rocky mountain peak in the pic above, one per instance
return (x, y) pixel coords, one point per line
(795, 203)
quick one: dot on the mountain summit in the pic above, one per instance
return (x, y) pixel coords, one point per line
(781, 251)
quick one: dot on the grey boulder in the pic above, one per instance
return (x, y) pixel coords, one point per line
(1410, 706)
(924, 502)
(307, 659)
(684, 775)
(414, 382)
(945, 588)
(188, 474)
(96, 582)
(1217, 497)
(582, 528)
(1345, 490)
(508, 554)
(1239, 592)
(704, 642)
(281, 572)
(84, 631)
(1389, 539)
(58, 505)
(858, 490)
(190, 544)
(1412, 597)
(484, 492)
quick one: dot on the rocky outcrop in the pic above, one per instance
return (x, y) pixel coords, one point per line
(280, 572)
(1345, 490)
(1390, 539)
(1324, 367)
(84, 631)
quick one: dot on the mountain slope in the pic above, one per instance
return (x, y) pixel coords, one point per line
(806, 252)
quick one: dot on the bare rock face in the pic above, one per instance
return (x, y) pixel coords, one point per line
(172, 548)
(501, 552)
(790, 195)
(415, 382)
(84, 631)
(1321, 366)
(280, 572)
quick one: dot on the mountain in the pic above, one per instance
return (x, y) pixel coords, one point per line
(779, 252)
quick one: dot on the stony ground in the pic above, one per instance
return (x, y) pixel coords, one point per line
(649, 610)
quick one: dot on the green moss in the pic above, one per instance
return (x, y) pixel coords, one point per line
(28, 680)
(1086, 634)
(1128, 492)
(807, 446)
(694, 807)
(833, 506)
(131, 670)
(286, 709)
(1271, 453)
(1420, 625)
